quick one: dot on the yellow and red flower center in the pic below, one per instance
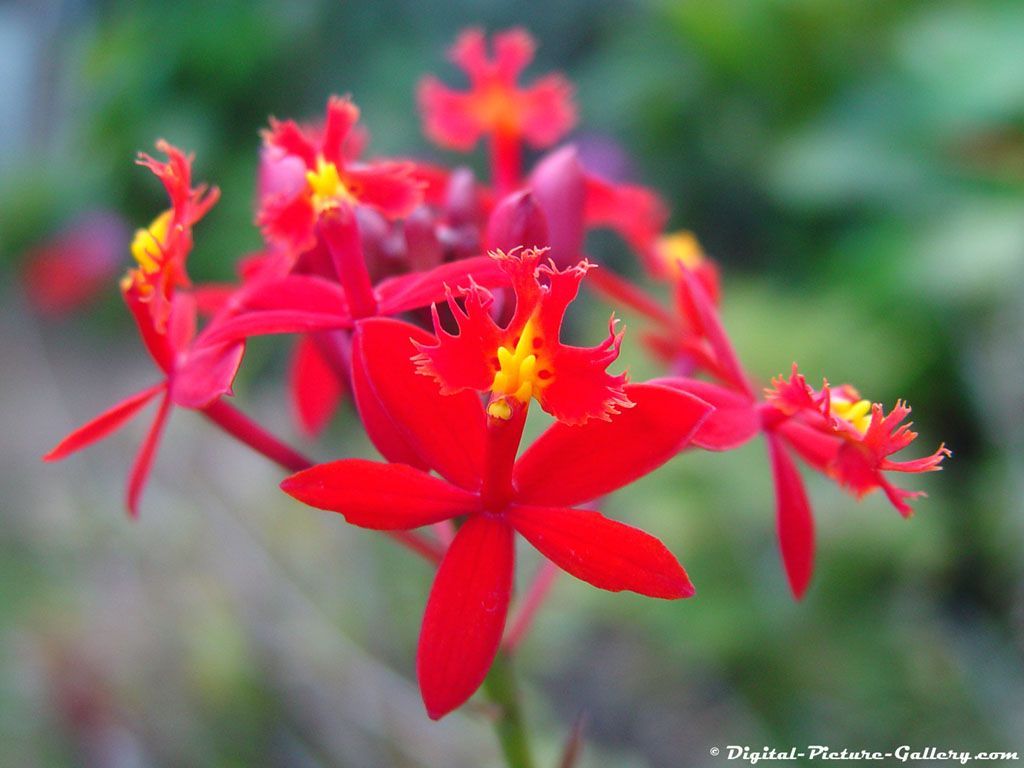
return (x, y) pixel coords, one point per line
(497, 108)
(326, 187)
(679, 251)
(855, 412)
(147, 250)
(521, 372)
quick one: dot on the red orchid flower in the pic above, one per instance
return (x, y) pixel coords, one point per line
(196, 372)
(474, 450)
(495, 105)
(307, 172)
(864, 436)
(834, 431)
(526, 359)
(161, 249)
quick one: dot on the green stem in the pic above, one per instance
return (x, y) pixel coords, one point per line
(501, 687)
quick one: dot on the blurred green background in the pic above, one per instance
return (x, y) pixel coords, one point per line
(858, 169)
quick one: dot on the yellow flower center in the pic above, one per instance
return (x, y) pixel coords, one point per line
(147, 250)
(857, 413)
(147, 245)
(326, 188)
(680, 250)
(520, 374)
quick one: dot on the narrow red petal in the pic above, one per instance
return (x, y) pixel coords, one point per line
(445, 431)
(206, 373)
(465, 614)
(314, 387)
(621, 291)
(814, 446)
(735, 420)
(265, 323)
(299, 292)
(608, 554)
(705, 315)
(793, 518)
(421, 289)
(107, 422)
(139, 474)
(383, 497)
(569, 465)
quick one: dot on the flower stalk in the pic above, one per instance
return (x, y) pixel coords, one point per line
(502, 688)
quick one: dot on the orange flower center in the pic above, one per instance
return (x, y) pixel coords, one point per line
(679, 251)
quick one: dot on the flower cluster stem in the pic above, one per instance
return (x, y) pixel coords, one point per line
(247, 431)
(506, 161)
(502, 688)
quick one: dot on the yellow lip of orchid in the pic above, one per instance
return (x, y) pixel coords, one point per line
(520, 373)
(856, 413)
(326, 187)
(148, 244)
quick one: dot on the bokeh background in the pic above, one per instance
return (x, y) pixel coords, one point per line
(857, 168)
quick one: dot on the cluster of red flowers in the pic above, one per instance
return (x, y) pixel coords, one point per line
(356, 253)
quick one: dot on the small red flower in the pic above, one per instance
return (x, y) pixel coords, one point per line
(196, 371)
(497, 495)
(309, 171)
(865, 436)
(495, 104)
(161, 249)
(526, 359)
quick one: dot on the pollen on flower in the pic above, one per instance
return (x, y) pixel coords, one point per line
(326, 188)
(520, 374)
(679, 250)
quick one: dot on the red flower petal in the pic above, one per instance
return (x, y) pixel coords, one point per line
(569, 465)
(421, 289)
(342, 116)
(621, 291)
(314, 387)
(608, 554)
(389, 187)
(463, 361)
(465, 615)
(637, 214)
(446, 431)
(700, 307)
(269, 322)
(205, 373)
(793, 518)
(386, 436)
(448, 118)
(383, 497)
(139, 474)
(734, 421)
(814, 446)
(107, 422)
(548, 111)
